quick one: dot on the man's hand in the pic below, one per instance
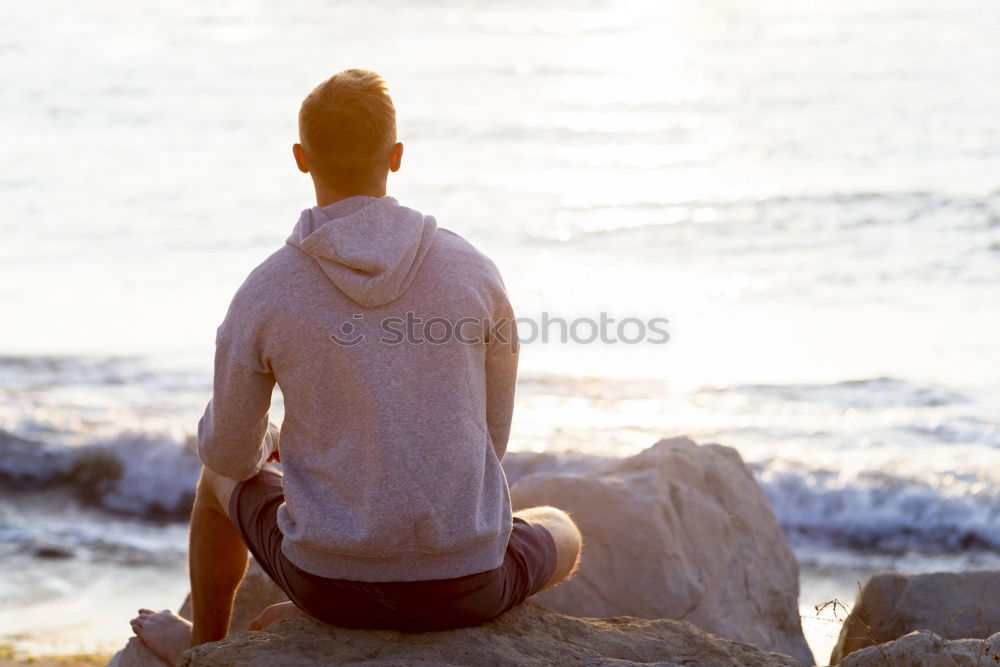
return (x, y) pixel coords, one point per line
(272, 442)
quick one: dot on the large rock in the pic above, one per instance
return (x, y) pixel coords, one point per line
(678, 531)
(528, 635)
(952, 605)
(926, 649)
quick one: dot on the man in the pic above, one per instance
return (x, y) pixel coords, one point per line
(393, 343)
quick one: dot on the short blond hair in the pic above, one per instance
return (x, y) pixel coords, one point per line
(347, 127)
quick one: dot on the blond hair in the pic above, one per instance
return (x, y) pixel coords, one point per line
(347, 127)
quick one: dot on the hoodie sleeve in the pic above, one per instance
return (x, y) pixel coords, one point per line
(501, 377)
(235, 437)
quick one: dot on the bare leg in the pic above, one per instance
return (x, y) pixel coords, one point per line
(217, 559)
(565, 534)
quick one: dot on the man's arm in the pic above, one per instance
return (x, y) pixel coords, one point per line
(235, 437)
(501, 378)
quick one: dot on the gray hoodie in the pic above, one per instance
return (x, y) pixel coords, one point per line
(394, 429)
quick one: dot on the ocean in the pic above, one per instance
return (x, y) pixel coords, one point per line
(806, 191)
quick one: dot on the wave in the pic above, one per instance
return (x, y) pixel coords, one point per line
(136, 474)
(962, 429)
(43, 371)
(880, 511)
(153, 477)
(877, 392)
(869, 511)
(872, 510)
(771, 218)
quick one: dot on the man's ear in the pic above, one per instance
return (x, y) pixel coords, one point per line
(300, 158)
(396, 157)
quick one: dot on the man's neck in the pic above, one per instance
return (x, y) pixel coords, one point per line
(325, 197)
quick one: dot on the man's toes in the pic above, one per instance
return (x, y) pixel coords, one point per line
(165, 634)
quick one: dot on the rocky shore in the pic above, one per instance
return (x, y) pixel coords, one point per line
(945, 615)
(528, 635)
(684, 563)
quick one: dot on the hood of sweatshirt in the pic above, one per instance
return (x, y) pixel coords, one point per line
(369, 247)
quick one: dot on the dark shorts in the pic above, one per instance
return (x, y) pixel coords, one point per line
(411, 605)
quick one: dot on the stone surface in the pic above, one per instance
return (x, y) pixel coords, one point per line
(953, 605)
(679, 531)
(926, 649)
(528, 635)
(135, 654)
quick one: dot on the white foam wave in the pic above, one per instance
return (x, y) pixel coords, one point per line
(882, 511)
(153, 476)
(138, 474)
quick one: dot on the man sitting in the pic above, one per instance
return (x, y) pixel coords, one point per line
(394, 346)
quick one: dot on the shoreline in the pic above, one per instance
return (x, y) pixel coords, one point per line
(9, 657)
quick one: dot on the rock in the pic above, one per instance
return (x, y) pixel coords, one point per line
(527, 635)
(926, 649)
(953, 605)
(678, 531)
(135, 654)
(52, 551)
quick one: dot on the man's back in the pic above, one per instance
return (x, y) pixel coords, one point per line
(395, 348)
(392, 342)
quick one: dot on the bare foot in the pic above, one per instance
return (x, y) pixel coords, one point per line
(164, 633)
(276, 612)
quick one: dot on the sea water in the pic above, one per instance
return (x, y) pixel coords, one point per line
(807, 191)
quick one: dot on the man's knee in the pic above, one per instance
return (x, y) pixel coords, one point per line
(214, 490)
(565, 534)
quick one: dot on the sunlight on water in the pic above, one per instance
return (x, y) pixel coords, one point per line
(806, 191)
